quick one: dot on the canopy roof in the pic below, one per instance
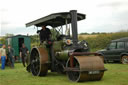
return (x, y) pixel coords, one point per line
(55, 19)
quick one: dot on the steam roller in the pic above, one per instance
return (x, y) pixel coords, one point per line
(79, 67)
(64, 53)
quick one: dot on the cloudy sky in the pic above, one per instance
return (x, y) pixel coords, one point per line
(101, 15)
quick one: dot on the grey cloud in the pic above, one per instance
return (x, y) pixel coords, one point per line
(3, 10)
(121, 17)
(113, 4)
(17, 30)
(110, 28)
(114, 23)
(4, 23)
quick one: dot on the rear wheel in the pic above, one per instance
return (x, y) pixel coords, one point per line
(124, 59)
(38, 59)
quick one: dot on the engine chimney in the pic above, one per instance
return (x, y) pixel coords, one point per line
(74, 27)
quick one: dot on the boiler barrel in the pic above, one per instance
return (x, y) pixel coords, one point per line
(63, 55)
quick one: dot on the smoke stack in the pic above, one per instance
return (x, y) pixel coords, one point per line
(74, 26)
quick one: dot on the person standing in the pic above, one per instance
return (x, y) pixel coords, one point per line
(44, 34)
(24, 54)
(11, 54)
(3, 56)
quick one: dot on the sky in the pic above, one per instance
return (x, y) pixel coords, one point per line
(101, 15)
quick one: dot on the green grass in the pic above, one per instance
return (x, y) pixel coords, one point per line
(117, 74)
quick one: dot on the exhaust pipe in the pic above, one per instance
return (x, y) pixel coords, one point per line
(74, 27)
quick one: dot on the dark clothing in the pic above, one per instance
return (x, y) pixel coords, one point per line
(44, 34)
(24, 51)
(24, 55)
(24, 60)
(11, 53)
(11, 61)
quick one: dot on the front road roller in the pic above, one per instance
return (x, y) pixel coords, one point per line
(39, 61)
(84, 67)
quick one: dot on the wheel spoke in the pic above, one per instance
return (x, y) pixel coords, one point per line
(35, 63)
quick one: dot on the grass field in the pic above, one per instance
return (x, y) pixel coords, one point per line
(117, 74)
(87, 36)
